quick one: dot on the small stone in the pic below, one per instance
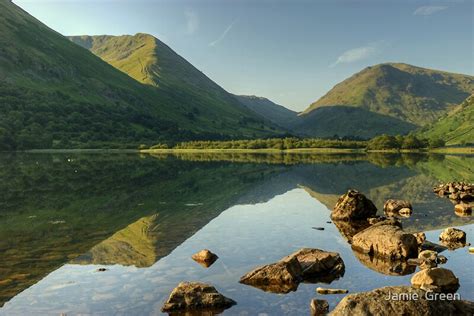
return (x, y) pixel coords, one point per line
(394, 206)
(321, 290)
(463, 208)
(101, 270)
(319, 307)
(428, 259)
(405, 212)
(442, 259)
(420, 238)
(436, 279)
(205, 258)
(318, 228)
(471, 250)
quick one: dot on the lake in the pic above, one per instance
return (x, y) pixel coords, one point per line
(64, 215)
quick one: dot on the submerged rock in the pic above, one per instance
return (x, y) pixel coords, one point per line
(353, 206)
(395, 206)
(318, 264)
(196, 296)
(205, 258)
(401, 300)
(280, 277)
(319, 307)
(386, 240)
(436, 279)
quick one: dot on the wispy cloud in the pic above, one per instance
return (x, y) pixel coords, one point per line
(192, 21)
(223, 35)
(429, 9)
(359, 53)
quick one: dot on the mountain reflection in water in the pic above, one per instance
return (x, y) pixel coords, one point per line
(142, 211)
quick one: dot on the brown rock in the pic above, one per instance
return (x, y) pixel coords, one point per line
(319, 307)
(394, 206)
(375, 302)
(205, 258)
(384, 240)
(353, 206)
(436, 279)
(196, 296)
(463, 208)
(452, 235)
(280, 277)
(405, 212)
(317, 264)
(386, 266)
(321, 290)
(428, 259)
(420, 238)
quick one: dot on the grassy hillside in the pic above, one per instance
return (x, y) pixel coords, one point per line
(402, 91)
(456, 127)
(150, 61)
(54, 93)
(346, 121)
(267, 109)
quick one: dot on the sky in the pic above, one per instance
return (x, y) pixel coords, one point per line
(292, 52)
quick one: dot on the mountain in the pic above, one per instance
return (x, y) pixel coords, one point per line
(267, 109)
(347, 121)
(56, 94)
(408, 93)
(456, 127)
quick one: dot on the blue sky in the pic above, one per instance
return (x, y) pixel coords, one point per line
(292, 52)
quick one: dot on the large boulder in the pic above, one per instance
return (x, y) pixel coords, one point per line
(317, 264)
(386, 240)
(280, 277)
(196, 296)
(436, 279)
(353, 206)
(401, 300)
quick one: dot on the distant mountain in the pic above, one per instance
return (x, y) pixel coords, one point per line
(54, 93)
(408, 93)
(456, 127)
(275, 113)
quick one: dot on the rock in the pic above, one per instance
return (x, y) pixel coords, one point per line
(436, 280)
(390, 300)
(385, 240)
(353, 206)
(442, 259)
(205, 258)
(318, 228)
(394, 206)
(280, 277)
(101, 270)
(321, 290)
(454, 196)
(319, 307)
(463, 208)
(375, 220)
(405, 212)
(420, 238)
(196, 296)
(471, 250)
(386, 266)
(452, 235)
(428, 259)
(318, 265)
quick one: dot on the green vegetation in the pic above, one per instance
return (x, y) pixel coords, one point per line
(272, 143)
(412, 94)
(55, 94)
(387, 142)
(455, 128)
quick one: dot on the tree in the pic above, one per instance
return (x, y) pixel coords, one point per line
(436, 142)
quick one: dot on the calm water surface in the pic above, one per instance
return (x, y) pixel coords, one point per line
(63, 216)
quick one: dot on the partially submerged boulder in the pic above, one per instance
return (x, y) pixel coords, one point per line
(386, 240)
(400, 300)
(318, 265)
(205, 258)
(436, 280)
(280, 277)
(453, 238)
(196, 296)
(353, 206)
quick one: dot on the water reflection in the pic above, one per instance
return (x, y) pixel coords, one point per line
(142, 213)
